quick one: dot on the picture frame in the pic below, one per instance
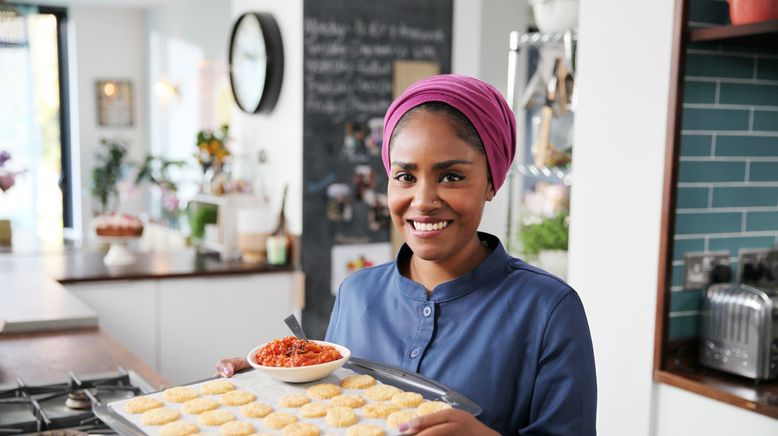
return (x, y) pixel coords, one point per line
(114, 103)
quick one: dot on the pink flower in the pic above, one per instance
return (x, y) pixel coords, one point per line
(170, 201)
(6, 181)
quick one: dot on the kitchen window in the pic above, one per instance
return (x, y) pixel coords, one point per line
(34, 127)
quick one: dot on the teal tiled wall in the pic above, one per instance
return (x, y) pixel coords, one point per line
(727, 192)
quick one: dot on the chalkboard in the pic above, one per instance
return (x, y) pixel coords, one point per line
(351, 48)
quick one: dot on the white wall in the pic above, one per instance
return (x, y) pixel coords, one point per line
(108, 45)
(622, 85)
(279, 133)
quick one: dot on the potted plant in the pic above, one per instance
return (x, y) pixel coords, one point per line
(155, 170)
(211, 153)
(545, 243)
(108, 172)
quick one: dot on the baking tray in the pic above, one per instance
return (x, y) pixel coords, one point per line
(387, 374)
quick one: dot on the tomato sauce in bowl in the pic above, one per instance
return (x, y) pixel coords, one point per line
(292, 352)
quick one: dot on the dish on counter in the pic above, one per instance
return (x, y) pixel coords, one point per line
(295, 360)
(118, 225)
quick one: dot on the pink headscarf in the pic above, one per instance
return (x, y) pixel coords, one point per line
(480, 102)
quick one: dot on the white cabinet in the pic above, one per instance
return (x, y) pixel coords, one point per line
(204, 319)
(127, 310)
(181, 327)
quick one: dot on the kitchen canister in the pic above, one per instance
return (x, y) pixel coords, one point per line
(752, 11)
(254, 228)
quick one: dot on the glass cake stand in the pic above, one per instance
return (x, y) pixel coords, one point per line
(119, 252)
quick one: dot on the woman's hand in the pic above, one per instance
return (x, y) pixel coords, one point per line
(228, 367)
(447, 422)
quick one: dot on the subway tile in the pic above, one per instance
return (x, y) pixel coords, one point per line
(767, 69)
(719, 65)
(745, 197)
(695, 145)
(747, 146)
(745, 93)
(707, 222)
(691, 198)
(685, 300)
(676, 276)
(683, 246)
(715, 119)
(714, 171)
(736, 243)
(699, 92)
(766, 121)
(762, 221)
(708, 11)
(683, 327)
(763, 172)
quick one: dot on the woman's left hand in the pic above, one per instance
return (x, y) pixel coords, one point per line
(447, 422)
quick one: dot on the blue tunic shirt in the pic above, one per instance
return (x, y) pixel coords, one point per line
(507, 335)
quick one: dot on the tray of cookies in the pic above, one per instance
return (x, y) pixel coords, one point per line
(361, 398)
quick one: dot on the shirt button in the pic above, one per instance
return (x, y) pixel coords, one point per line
(427, 311)
(415, 352)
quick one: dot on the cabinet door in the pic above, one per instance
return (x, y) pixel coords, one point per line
(204, 319)
(127, 310)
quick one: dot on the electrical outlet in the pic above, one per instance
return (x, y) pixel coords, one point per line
(758, 266)
(697, 268)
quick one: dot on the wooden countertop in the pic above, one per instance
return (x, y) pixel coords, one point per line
(47, 357)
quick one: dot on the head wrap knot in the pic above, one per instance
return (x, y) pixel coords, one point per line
(480, 102)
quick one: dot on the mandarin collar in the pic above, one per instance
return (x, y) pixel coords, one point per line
(461, 285)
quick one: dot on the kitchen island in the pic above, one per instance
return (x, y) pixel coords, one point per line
(177, 311)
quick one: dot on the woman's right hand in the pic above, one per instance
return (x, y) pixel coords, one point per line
(228, 367)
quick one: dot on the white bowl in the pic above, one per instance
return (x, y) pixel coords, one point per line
(555, 15)
(301, 374)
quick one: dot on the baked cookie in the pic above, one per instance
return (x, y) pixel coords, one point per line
(360, 381)
(236, 428)
(142, 404)
(237, 398)
(215, 417)
(341, 417)
(364, 430)
(293, 400)
(178, 428)
(159, 416)
(179, 394)
(379, 410)
(278, 420)
(300, 429)
(400, 417)
(314, 410)
(382, 392)
(323, 391)
(256, 410)
(429, 407)
(352, 401)
(199, 405)
(407, 399)
(215, 387)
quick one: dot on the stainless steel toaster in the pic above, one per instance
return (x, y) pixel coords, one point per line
(739, 330)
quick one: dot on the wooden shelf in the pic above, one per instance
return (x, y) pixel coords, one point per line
(764, 34)
(738, 391)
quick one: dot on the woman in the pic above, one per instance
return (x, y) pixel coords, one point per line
(454, 306)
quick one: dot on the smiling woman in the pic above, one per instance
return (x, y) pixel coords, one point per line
(454, 306)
